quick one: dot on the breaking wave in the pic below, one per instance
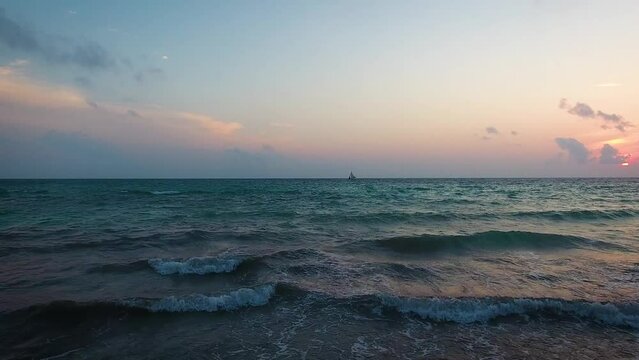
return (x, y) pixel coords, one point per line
(245, 297)
(195, 265)
(473, 310)
(72, 311)
(207, 264)
(436, 309)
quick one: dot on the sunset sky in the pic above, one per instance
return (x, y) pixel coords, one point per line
(319, 88)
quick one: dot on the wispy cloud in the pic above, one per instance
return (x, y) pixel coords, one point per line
(582, 110)
(18, 89)
(585, 111)
(89, 55)
(489, 133)
(579, 109)
(83, 55)
(492, 130)
(133, 113)
(14, 36)
(13, 68)
(616, 121)
(609, 117)
(15, 88)
(575, 149)
(211, 124)
(608, 85)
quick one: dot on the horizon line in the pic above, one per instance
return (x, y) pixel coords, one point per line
(331, 178)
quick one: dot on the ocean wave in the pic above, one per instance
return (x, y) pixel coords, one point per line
(115, 244)
(454, 200)
(417, 217)
(67, 311)
(490, 240)
(473, 310)
(389, 217)
(436, 309)
(150, 192)
(385, 217)
(183, 191)
(195, 265)
(226, 214)
(111, 243)
(220, 264)
(579, 214)
(203, 265)
(165, 192)
(119, 267)
(245, 297)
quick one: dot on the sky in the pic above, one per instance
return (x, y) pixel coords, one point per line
(243, 89)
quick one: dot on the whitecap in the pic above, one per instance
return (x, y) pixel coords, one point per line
(166, 192)
(245, 297)
(195, 265)
(481, 310)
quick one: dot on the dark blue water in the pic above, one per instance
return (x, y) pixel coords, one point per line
(517, 268)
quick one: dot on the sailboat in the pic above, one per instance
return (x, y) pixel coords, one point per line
(351, 176)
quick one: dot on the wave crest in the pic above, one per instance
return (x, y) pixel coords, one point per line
(472, 310)
(234, 300)
(195, 265)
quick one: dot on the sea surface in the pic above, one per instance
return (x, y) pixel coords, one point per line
(320, 269)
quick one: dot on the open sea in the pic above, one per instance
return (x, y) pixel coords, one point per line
(320, 269)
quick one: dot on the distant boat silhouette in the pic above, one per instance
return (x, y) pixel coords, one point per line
(351, 176)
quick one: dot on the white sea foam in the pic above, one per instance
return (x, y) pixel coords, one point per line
(166, 192)
(481, 310)
(195, 265)
(244, 297)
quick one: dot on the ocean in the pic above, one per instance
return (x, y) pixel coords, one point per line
(320, 269)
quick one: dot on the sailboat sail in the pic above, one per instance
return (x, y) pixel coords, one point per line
(351, 176)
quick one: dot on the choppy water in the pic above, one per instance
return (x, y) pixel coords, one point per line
(320, 268)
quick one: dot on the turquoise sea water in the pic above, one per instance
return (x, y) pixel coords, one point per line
(413, 268)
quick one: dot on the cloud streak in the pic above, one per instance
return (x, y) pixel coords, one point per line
(211, 124)
(88, 55)
(585, 111)
(70, 103)
(14, 88)
(14, 36)
(616, 121)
